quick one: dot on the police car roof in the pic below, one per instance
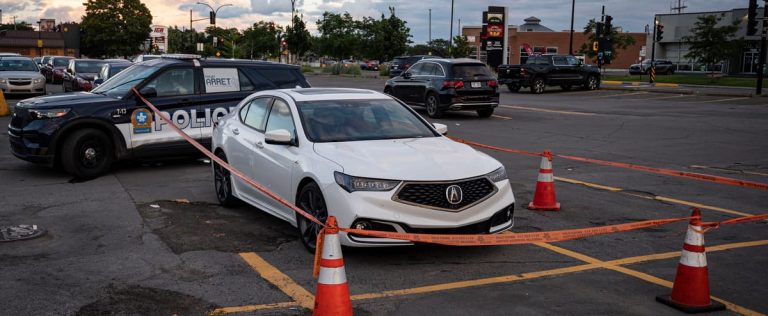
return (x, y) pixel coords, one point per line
(320, 94)
(161, 62)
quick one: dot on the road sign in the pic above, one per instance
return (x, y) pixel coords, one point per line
(39, 43)
(642, 51)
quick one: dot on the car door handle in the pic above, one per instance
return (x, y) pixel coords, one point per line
(235, 131)
(259, 144)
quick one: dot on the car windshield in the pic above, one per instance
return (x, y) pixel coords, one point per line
(60, 62)
(88, 66)
(400, 61)
(355, 120)
(119, 85)
(114, 69)
(470, 71)
(146, 57)
(17, 65)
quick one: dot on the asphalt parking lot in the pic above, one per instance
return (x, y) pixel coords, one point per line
(150, 239)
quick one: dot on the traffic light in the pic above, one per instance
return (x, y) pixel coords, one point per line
(608, 26)
(659, 32)
(752, 18)
(213, 18)
(594, 46)
(598, 29)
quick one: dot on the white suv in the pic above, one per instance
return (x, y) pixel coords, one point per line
(363, 157)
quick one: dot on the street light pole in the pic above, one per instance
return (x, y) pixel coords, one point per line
(430, 25)
(570, 42)
(450, 39)
(39, 47)
(216, 11)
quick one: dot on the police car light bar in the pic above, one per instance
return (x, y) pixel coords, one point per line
(181, 56)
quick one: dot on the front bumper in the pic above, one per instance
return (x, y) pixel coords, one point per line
(26, 146)
(23, 87)
(379, 207)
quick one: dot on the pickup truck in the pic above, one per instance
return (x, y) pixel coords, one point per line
(540, 71)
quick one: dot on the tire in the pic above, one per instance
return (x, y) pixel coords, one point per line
(513, 87)
(538, 85)
(310, 200)
(484, 113)
(566, 87)
(87, 153)
(432, 103)
(591, 83)
(222, 184)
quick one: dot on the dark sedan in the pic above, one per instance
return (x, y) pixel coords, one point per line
(442, 85)
(54, 69)
(80, 74)
(110, 69)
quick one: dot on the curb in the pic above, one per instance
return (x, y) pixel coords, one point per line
(677, 91)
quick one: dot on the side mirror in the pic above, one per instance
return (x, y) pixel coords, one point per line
(148, 92)
(69, 71)
(407, 75)
(441, 128)
(98, 81)
(278, 137)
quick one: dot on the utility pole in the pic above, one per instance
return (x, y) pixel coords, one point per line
(761, 62)
(653, 50)
(570, 42)
(14, 22)
(680, 6)
(430, 25)
(450, 38)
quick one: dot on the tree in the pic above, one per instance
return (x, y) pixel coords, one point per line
(262, 40)
(620, 40)
(21, 26)
(390, 37)
(710, 44)
(183, 41)
(461, 46)
(297, 37)
(439, 47)
(114, 27)
(339, 35)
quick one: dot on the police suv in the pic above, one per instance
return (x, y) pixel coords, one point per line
(85, 132)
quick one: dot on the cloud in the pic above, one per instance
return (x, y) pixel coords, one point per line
(63, 13)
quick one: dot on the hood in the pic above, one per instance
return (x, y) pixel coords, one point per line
(20, 74)
(73, 99)
(87, 76)
(417, 159)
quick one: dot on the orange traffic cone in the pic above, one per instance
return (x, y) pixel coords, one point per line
(690, 292)
(3, 105)
(332, 296)
(544, 196)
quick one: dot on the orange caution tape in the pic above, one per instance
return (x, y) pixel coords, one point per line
(516, 238)
(668, 172)
(231, 169)
(744, 219)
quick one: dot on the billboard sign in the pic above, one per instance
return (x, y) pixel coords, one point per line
(47, 25)
(158, 35)
(494, 37)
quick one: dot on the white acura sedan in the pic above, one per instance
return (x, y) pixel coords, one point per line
(363, 157)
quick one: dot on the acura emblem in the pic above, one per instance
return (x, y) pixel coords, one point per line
(453, 194)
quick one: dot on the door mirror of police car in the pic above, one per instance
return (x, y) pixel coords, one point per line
(278, 137)
(441, 128)
(407, 75)
(148, 92)
(98, 81)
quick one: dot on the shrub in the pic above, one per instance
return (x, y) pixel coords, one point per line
(307, 69)
(383, 71)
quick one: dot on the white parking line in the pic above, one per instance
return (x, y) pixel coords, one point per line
(621, 94)
(660, 98)
(545, 110)
(502, 117)
(722, 100)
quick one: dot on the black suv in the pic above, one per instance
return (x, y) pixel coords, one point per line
(402, 63)
(84, 132)
(447, 84)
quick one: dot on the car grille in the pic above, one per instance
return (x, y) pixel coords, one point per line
(433, 194)
(19, 82)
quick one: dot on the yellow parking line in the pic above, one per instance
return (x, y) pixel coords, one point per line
(675, 254)
(502, 117)
(545, 110)
(637, 274)
(267, 271)
(251, 308)
(673, 85)
(655, 197)
(670, 97)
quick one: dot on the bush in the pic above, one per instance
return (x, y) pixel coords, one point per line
(383, 71)
(307, 69)
(343, 69)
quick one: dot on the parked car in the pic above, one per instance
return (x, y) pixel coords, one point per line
(43, 62)
(38, 60)
(9, 54)
(109, 69)
(369, 65)
(401, 63)
(442, 85)
(540, 71)
(80, 74)
(85, 132)
(54, 69)
(363, 157)
(663, 66)
(20, 75)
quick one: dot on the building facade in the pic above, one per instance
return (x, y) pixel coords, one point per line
(61, 40)
(544, 40)
(677, 26)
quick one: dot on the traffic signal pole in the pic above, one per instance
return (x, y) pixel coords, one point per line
(653, 49)
(761, 62)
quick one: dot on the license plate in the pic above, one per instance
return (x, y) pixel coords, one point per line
(476, 85)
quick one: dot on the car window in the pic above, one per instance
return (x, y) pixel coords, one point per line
(174, 82)
(255, 113)
(428, 69)
(245, 83)
(572, 60)
(87, 66)
(439, 71)
(470, 71)
(60, 62)
(124, 81)
(17, 65)
(283, 78)
(559, 61)
(355, 120)
(280, 118)
(114, 69)
(415, 70)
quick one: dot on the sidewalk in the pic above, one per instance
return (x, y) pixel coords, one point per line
(679, 88)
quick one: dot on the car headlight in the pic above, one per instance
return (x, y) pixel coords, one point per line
(38, 80)
(48, 114)
(352, 184)
(498, 175)
(3, 80)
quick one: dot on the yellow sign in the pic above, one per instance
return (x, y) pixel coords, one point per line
(218, 54)
(39, 43)
(594, 46)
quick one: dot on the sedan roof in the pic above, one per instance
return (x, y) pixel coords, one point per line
(318, 94)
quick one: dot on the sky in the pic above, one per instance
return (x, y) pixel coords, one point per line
(632, 15)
